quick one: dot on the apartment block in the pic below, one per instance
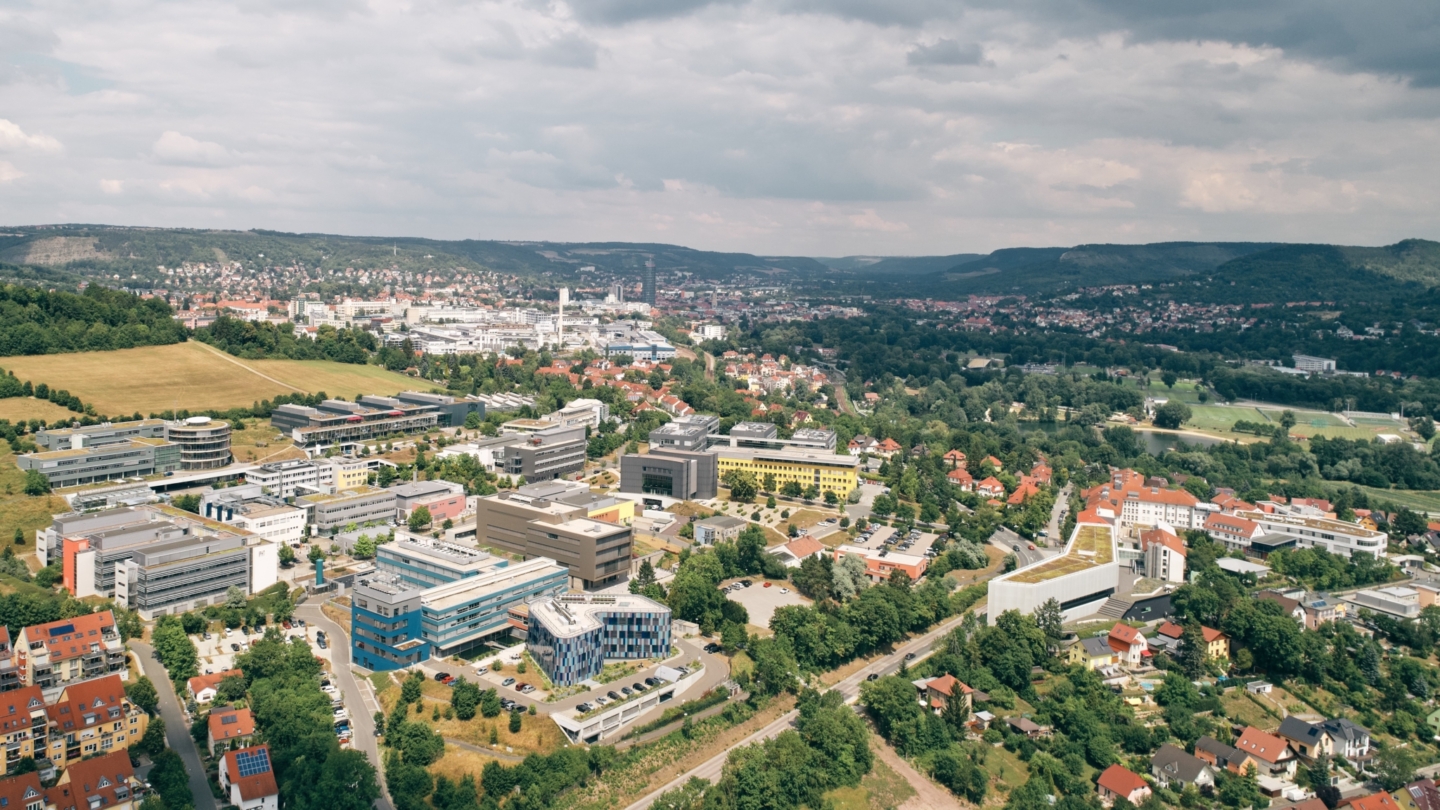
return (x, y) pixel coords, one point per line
(555, 520)
(57, 654)
(90, 718)
(571, 636)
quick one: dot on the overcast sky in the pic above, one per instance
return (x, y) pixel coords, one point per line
(806, 127)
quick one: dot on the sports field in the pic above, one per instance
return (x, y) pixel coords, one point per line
(193, 376)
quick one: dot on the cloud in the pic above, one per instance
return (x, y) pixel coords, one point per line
(14, 139)
(173, 147)
(946, 52)
(8, 173)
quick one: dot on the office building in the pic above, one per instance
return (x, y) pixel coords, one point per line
(451, 411)
(1086, 574)
(647, 283)
(555, 520)
(336, 422)
(261, 515)
(443, 499)
(685, 433)
(712, 530)
(670, 472)
(56, 654)
(74, 466)
(434, 599)
(548, 453)
(753, 434)
(204, 442)
(286, 479)
(99, 435)
(1334, 536)
(360, 506)
(620, 339)
(581, 413)
(806, 467)
(766, 436)
(571, 636)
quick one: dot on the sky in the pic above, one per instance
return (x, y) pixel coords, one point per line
(794, 127)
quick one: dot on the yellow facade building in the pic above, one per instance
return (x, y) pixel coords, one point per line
(825, 471)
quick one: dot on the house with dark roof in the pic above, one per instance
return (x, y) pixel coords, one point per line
(1352, 740)
(1421, 794)
(1217, 754)
(1308, 739)
(1172, 766)
(1119, 782)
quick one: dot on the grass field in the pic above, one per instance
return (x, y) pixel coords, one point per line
(23, 409)
(192, 376)
(20, 511)
(881, 789)
(1418, 500)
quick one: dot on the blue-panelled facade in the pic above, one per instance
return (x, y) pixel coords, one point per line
(571, 637)
(399, 618)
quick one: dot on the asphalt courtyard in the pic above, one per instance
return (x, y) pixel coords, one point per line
(760, 602)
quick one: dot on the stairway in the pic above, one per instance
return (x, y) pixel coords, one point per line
(1114, 608)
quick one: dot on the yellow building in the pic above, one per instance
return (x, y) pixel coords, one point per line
(805, 467)
(348, 472)
(90, 718)
(1217, 644)
(613, 510)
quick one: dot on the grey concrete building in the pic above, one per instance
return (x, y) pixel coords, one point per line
(452, 411)
(720, 527)
(670, 472)
(753, 434)
(548, 520)
(172, 577)
(132, 457)
(204, 442)
(359, 506)
(545, 454)
(98, 435)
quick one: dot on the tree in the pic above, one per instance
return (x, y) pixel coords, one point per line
(769, 503)
(287, 555)
(464, 698)
(177, 653)
(36, 483)
(142, 693)
(1193, 651)
(170, 780)
(1172, 415)
(419, 518)
(514, 722)
(472, 421)
(769, 485)
(19, 536)
(490, 703)
(791, 489)
(410, 688)
(831, 498)
(1395, 767)
(364, 547)
(742, 485)
(192, 622)
(235, 597)
(1169, 378)
(153, 741)
(1050, 619)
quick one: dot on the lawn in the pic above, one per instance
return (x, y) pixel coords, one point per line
(21, 511)
(1241, 707)
(193, 376)
(881, 789)
(257, 442)
(1418, 499)
(1007, 771)
(23, 409)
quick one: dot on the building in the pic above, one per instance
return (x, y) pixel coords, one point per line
(91, 718)
(9, 672)
(640, 344)
(1334, 536)
(823, 470)
(793, 553)
(1396, 600)
(1172, 766)
(712, 530)
(1314, 365)
(1091, 653)
(548, 453)
(1308, 739)
(56, 654)
(589, 413)
(881, 563)
(204, 442)
(1351, 740)
(360, 506)
(1129, 644)
(1235, 532)
(439, 599)
(288, 479)
(671, 473)
(450, 411)
(1163, 555)
(338, 423)
(171, 577)
(261, 515)
(1421, 794)
(1086, 574)
(229, 728)
(647, 283)
(442, 499)
(554, 520)
(1118, 782)
(936, 693)
(1270, 755)
(24, 791)
(138, 457)
(1218, 755)
(247, 779)
(25, 725)
(571, 636)
(1375, 801)
(202, 688)
(106, 781)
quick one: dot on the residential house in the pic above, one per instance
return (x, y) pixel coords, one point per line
(1320, 609)
(991, 488)
(995, 462)
(61, 652)
(1270, 754)
(1129, 644)
(1352, 740)
(230, 728)
(1024, 491)
(1290, 607)
(1092, 653)
(1308, 739)
(1042, 473)
(1173, 766)
(1418, 795)
(962, 479)
(100, 782)
(938, 692)
(862, 444)
(955, 459)
(202, 688)
(793, 553)
(1433, 721)
(22, 792)
(1024, 726)
(247, 779)
(1218, 755)
(1118, 782)
(887, 448)
(92, 717)
(1375, 801)
(22, 725)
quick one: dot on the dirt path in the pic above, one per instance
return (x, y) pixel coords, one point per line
(229, 359)
(479, 749)
(928, 795)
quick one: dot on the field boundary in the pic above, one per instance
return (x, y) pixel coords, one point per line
(232, 359)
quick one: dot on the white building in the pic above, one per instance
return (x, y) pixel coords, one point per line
(1086, 575)
(248, 780)
(587, 412)
(1334, 536)
(710, 331)
(1151, 506)
(1314, 365)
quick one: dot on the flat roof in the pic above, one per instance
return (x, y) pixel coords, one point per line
(576, 613)
(1092, 546)
(470, 589)
(344, 494)
(1235, 566)
(1319, 524)
(788, 455)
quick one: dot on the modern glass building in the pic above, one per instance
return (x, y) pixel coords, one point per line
(572, 636)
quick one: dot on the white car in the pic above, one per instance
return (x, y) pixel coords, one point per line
(784, 590)
(341, 714)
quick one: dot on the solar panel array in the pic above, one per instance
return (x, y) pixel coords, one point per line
(253, 762)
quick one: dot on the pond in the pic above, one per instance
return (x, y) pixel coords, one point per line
(1158, 442)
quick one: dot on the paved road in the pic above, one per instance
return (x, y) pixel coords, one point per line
(357, 700)
(850, 688)
(177, 730)
(1007, 541)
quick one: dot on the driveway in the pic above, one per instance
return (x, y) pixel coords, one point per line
(177, 729)
(357, 700)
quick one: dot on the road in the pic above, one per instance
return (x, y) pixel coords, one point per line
(362, 709)
(177, 730)
(709, 366)
(850, 688)
(1008, 541)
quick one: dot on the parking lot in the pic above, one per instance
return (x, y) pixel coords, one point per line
(217, 653)
(760, 602)
(915, 542)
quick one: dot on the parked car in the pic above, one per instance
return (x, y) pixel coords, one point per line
(527, 689)
(747, 583)
(872, 677)
(520, 687)
(626, 691)
(767, 584)
(235, 647)
(909, 656)
(508, 682)
(613, 695)
(652, 682)
(713, 648)
(638, 687)
(600, 701)
(440, 676)
(323, 643)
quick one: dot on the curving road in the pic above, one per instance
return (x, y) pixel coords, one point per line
(709, 770)
(177, 730)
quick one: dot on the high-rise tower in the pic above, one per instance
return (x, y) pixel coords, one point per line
(647, 289)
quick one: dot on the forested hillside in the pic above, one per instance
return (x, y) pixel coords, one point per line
(37, 321)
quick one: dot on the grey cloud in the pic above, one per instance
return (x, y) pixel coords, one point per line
(946, 52)
(620, 12)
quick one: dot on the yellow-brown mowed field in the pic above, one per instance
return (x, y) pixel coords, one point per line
(192, 376)
(23, 409)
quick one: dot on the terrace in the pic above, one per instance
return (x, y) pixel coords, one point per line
(1091, 547)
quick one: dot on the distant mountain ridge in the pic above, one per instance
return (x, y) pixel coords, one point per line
(899, 265)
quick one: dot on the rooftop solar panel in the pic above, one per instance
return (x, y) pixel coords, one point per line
(62, 630)
(253, 762)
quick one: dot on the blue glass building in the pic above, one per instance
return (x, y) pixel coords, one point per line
(571, 636)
